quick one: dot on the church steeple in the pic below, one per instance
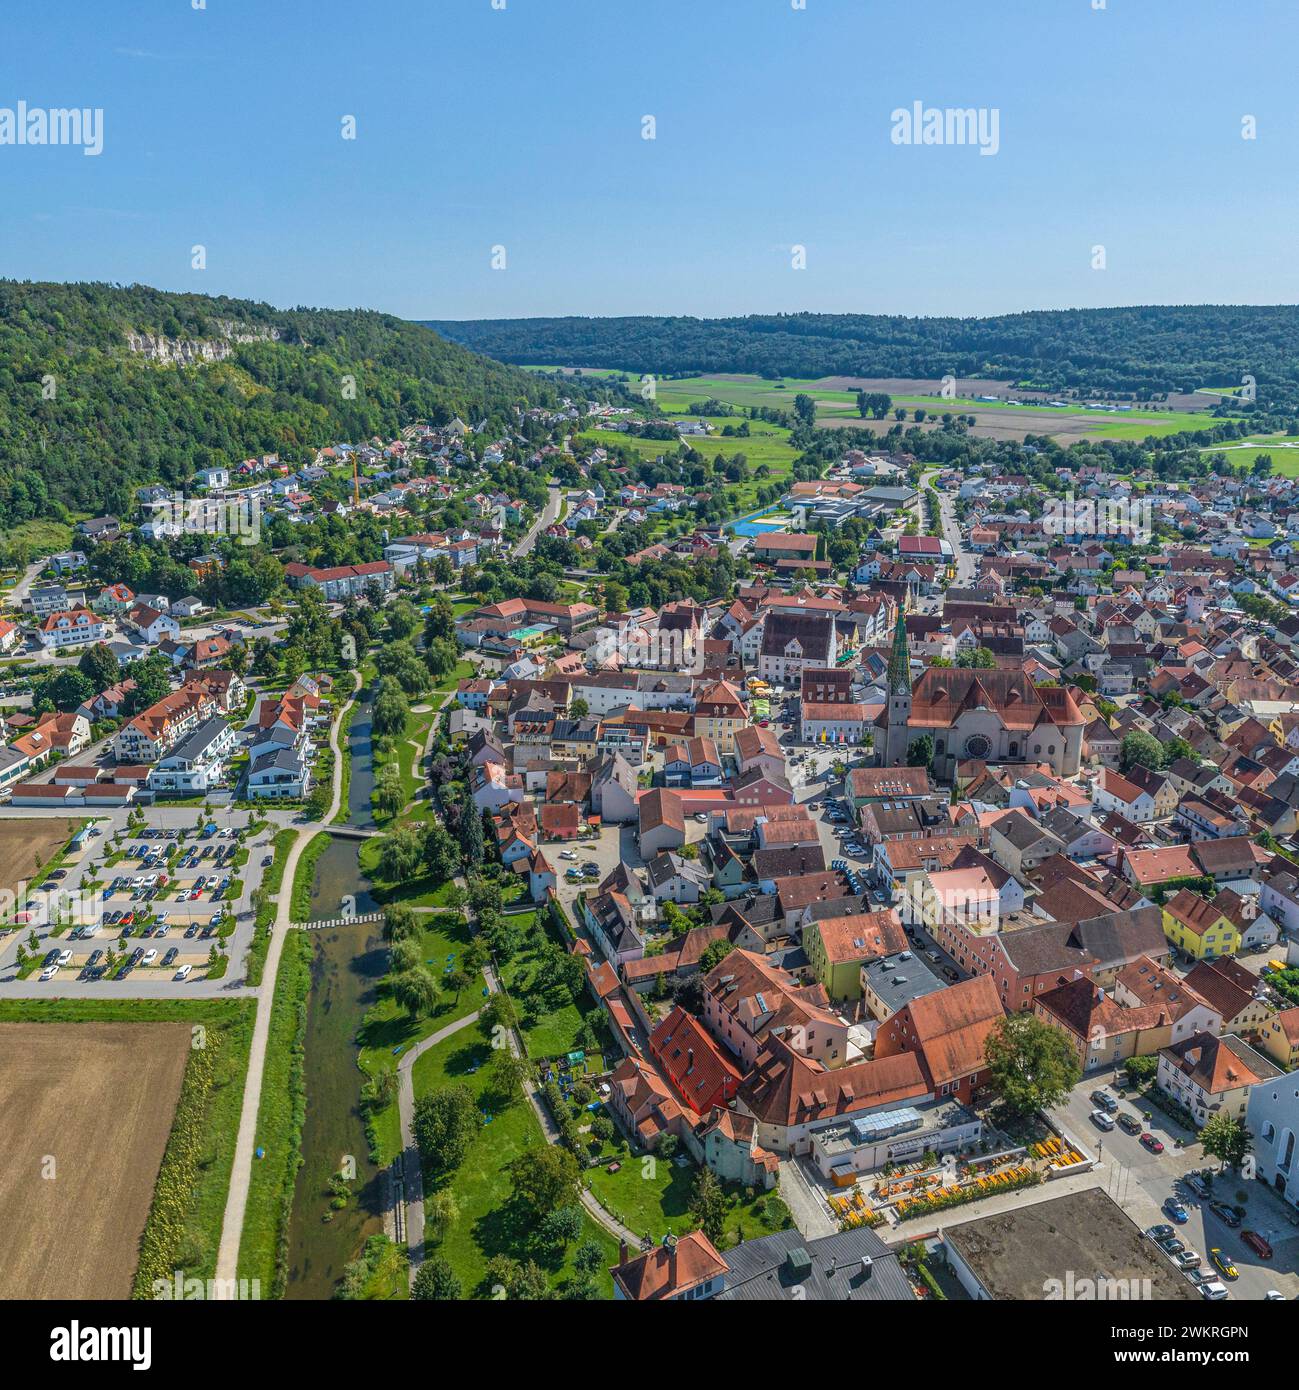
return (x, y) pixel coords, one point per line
(900, 660)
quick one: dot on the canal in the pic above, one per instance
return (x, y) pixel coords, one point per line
(347, 965)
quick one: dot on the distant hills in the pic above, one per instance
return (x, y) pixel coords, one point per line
(105, 387)
(1141, 351)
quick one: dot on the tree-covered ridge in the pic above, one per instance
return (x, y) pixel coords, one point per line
(84, 419)
(1142, 350)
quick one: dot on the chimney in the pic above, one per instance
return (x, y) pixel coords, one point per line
(622, 1252)
(867, 1266)
(690, 1060)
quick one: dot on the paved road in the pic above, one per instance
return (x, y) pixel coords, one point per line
(410, 1153)
(548, 515)
(965, 559)
(1140, 1181)
(241, 1173)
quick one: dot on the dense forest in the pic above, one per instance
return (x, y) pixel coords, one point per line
(85, 417)
(1141, 352)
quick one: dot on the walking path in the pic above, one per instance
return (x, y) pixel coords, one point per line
(241, 1173)
(410, 1153)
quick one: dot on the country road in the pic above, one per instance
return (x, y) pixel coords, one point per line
(549, 515)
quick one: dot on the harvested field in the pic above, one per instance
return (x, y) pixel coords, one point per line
(25, 843)
(97, 1099)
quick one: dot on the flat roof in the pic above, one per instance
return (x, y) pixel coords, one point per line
(1017, 1254)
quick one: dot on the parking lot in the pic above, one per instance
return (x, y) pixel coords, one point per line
(158, 895)
(1141, 1181)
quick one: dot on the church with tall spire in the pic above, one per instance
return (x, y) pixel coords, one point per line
(899, 692)
(976, 715)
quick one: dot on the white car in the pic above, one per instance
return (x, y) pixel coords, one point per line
(1215, 1290)
(49, 972)
(567, 854)
(149, 956)
(183, 973)
(1102, 1120)
(65, 957)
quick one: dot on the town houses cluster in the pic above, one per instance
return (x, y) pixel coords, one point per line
(818, 837)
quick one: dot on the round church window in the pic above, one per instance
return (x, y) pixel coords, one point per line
(978, 746)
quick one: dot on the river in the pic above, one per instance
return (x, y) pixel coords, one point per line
(347, 965)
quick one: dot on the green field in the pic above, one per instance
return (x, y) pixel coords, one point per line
(280, 1114)
(766, 448)
(43, 537)
(1283, 448)
(674, 396)
(389, 1031)
(488, 1224)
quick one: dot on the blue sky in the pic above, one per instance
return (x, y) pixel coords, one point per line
(521, 127)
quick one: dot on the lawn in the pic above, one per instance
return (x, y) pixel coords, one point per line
(279, 1123)
(410, 762)
(43, 537)
(488, 1224)
(270, 885)
(767, 447)
(554, 1031)
(212, 1124)
(652, 1197)
(304, 876)
(388, 1030)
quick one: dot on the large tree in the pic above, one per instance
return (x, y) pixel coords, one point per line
(1226, 1139)
(444, 1125)
(1032, 1065)
(1140, 749)
(436, 1281)
(542, 1179)
(100, 667)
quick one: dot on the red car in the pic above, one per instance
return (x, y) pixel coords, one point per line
(1260, 1245)
(1153, 1144)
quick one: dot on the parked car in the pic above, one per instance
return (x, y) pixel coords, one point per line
(49, 972)
(1198, 1185)
(1187, 1260)
(1102, 1119)
(1225, 1212)
(1105, 1101)
(1259, 1244)
(1175, 1211)
(1149, 1141)
(1129, 1124)
(1222, 1263)
(1161, 1232)
(171, 955)
(1213, 1290)
(1171, 1246)
(183, 973)
(65, 957)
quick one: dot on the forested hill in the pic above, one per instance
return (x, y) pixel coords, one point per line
(1135, 350)
(104, 387)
